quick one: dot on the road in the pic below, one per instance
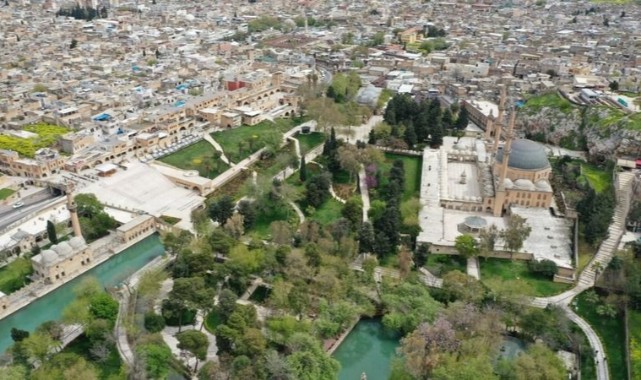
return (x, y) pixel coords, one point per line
(32, 203)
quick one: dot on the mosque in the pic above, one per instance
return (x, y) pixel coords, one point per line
(474, 181)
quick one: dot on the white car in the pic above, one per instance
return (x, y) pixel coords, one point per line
(18, 204)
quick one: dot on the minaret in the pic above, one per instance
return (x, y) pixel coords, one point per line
(508, 147)
(73, 214)
(499, 200)
(498, 125)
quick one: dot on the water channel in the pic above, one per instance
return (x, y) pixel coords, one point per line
(110, 273)
(368, 348)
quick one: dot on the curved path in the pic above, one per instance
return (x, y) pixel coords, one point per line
(217, 146)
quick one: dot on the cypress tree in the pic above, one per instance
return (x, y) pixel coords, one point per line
(303, 170)
(51, 232)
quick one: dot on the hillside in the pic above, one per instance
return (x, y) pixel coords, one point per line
(602, 131)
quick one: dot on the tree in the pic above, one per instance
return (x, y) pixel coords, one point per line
(353, 211)
(18, 335)
(466, 245)
(39, 346)
(157, 358)
(460, 286)
(195, 342)
(366, 238)
(420, 256)
(348, 159)
(221, 210)
(281, 232)
(308, 360)
(544, 267)
(317, 190)
(423, 348)
(462, 120)
(73, 43)
(407, 306)
(302, 174)
(539, 363)
(248, 211)
(103, 306)
(313, 255)
(154, 323)
(614, 86)
(226, 304)
(516, 233)
(235, 226)
(51, 232)
(277, 366)
(487, 240)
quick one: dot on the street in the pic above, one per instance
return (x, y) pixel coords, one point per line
(32, 203)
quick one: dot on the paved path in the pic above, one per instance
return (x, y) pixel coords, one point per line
(299, 212)
(334, 195)
(217, 146)
(473, 268)
(362, 177)
(296, 146)
(361, 132)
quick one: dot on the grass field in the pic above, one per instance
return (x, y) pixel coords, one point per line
(107, 369)
(412, 166)
(517, 271)
(310, 141)
(13, 276)
(439, 265)
(199, 156)
(328, 213)
(634, 324)
(552, 100)
(6, 193)
(239, 143)
(598, 179)
(612, 334)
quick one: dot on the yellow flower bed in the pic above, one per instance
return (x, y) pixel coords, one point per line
(47, 136)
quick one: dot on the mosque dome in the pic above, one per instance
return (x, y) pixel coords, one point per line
(526, 155)
(524, 184)
(543, 185)
(48, 256)
(77, 242)
(63, 249)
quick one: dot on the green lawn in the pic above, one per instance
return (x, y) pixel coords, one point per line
(586, 253)
(269, 167)
(553, 100)
(6, 193)
(328, 213)
(439, 265)
(516, 270)
(239, 143)
(598, 179)
(310, 141)
(107, 369)
(412, 166)
(199, 156)
(14, 275)
(261, 229)
(634, 325)
(612, 334)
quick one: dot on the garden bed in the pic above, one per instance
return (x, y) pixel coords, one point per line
(494, 270)
(14, 275)
(200, 157)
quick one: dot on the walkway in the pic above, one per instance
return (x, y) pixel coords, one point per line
(473, 268)
(362, 177)
(217, 146)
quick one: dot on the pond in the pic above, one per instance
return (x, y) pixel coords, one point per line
(368, 348)
(110, 273)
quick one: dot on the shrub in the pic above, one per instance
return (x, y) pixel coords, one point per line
(154, 323)
(545, 268)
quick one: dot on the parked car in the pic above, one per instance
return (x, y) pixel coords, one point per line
(18, 204)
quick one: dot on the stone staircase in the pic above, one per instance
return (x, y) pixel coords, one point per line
(616, 230)
(606, 250)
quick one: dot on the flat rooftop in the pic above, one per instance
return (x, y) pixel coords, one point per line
(141, 187)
